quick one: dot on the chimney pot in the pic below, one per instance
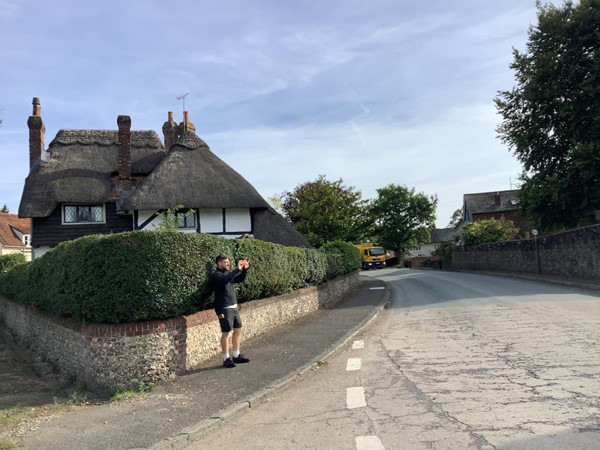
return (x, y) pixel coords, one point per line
(37, 108)
(170, 116)
(37, 131)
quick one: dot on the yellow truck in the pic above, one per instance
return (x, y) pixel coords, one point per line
(371, 255)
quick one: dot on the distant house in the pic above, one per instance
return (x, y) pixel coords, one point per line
(438, 236)
(109, 181)
(15, 235)
(441, 235)
(495, 205)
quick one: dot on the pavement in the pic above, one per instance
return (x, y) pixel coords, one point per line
(177, 413)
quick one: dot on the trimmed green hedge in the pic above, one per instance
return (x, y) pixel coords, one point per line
(10, 261)
(143, 275)
(343, 258)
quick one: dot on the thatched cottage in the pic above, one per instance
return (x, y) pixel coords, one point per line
(109, 181)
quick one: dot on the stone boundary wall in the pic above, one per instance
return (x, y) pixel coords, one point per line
(570, 254)
(120, 356)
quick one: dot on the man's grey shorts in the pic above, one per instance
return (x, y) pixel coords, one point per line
(229, 318)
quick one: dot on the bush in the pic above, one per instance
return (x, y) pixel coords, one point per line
(14, 283)
(343, 258)
(488, 231)
(9, 261)
(144, 275)
(445, 250)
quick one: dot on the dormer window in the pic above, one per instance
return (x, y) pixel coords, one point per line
(83, 214)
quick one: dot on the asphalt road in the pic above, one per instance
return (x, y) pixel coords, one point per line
(459, 361)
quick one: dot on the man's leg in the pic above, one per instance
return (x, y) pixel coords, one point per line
(237, 339)
(225, 343)
(238, 358)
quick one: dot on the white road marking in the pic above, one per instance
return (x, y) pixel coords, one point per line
(355, 397)
(369, 443)
(377, 288)
(358, 345)
(353, 364)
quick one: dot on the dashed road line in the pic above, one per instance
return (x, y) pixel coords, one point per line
(358, 345)
(369, 443)
(355, 397)
(377, 288)
(353, 364)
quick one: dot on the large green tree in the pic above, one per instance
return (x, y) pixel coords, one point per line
(403, 217)
(324, 210)
(551, 118)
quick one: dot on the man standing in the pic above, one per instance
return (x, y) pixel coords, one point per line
(227, 309)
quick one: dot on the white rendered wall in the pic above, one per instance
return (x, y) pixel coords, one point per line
(37, 252)
(238, 220)
(211, 220)
(145, 215)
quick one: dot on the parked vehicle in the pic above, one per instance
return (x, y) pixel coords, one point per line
(371, 255)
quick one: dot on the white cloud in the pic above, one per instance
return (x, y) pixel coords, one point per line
(449, 156)
(372, 92)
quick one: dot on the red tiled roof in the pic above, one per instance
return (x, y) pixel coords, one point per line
(7, 223)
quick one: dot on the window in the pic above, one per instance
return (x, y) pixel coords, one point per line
(83, 214)
(27, 240)
(187, 219)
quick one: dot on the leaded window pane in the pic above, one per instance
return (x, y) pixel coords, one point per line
(84, 213)
(190, 220)
(97, 213)
(187, 220)
(70, 214)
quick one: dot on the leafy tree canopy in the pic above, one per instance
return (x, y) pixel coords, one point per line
(403, 217)
(324, 210)
(455, 218)
(488, 231)
(5, 209)
(551, 118)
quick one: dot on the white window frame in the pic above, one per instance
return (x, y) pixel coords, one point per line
(65, 205)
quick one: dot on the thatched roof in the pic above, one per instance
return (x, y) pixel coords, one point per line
(193, 176)
(271, 227)
(79, 165)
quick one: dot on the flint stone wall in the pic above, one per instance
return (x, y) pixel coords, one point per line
(120, 356)
(571, 254)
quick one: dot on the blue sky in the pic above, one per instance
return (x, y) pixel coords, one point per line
(374, 92)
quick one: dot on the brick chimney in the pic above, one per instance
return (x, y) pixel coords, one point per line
(124, 123)
(37, 130)
(186, 125)
(170, 131)
(497, 199)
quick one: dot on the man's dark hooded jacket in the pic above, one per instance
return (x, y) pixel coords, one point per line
(222, 283)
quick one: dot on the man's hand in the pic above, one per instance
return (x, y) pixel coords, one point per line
(243, 264)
